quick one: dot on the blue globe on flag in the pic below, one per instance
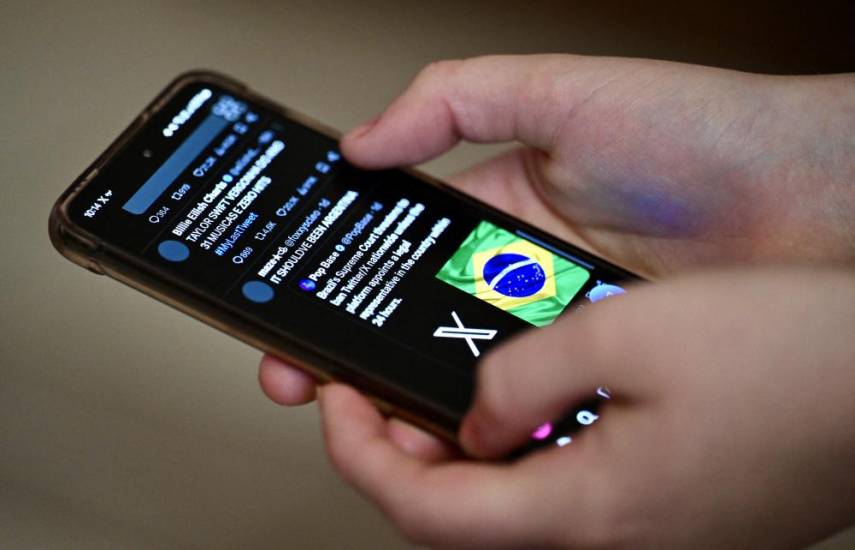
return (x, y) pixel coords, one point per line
(514, 275)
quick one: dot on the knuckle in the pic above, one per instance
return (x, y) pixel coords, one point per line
(438, 71)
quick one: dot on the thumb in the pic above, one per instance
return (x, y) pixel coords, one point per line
(541, 374)
(485, 100)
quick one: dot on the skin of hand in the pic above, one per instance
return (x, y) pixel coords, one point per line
(731, 425)
(663, 168)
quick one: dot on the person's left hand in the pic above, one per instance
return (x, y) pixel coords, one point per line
(764, 161)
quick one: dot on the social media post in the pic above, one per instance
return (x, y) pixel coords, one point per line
(352, 253)
(253, 200)
(365, 282)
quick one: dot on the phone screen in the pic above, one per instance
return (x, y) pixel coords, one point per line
(380, 270)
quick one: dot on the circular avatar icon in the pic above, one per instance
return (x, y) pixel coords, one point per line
(307, 284)
(514, 275)
(174, 251)
(257, 291)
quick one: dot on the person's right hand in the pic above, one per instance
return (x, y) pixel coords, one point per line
(660, 167)
(730, 425)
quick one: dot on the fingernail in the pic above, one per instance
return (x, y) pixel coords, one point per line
(362, 129)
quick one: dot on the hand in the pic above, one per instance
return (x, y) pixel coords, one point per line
(731, 425)
(659, 166)
(662, 167)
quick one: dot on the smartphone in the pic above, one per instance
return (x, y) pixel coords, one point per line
(244, 214)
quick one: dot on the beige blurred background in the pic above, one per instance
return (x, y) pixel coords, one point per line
(124, 424)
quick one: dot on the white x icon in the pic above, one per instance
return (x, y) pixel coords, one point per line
(468, 334)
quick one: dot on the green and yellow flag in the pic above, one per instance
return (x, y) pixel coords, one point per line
(513, 274)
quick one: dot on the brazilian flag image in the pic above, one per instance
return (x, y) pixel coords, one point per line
(513, 274)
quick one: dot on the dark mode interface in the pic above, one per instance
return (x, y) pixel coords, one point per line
(264, 213)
